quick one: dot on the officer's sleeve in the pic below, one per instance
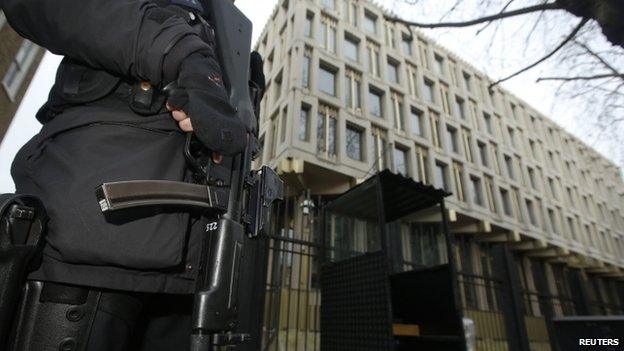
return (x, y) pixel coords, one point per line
(127, 37)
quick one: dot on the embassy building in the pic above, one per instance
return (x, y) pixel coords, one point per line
(350, 94)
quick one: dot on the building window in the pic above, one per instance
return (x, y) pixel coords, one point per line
(538, 213)
(467, 144)
(412, 80)
(532, 180)
(516, 203)
(489, 192)
(307, 63)
(483, 153)
(429, 92)
(487, 119)
(440, 176)
(372, 59)
(330, 4)
(390, 35)
(274, 135)
(518, 167)
(453, 71)
(277, 86)
(444, 95)
(309, 25)
(458, 175)
(327, 34)
(406, 44)
(375, 102)
(393, 71)
(514, 110)
(379, 148)
(512, 136)
(327, 80)
(349, 7)
(424, 53)
(461, 107)
(284, 125)
(572, 228)
(421, 164)
(370, 22)
(476, 190)
(353, 87)
(506, 202)
(553, 189)
(533, 150)
(400, 161)
(509, 166)
(467, 81)
(282, 39)
(415, 121)
(552, 217)
(479, 86)
(304, 123)
(570, 198)
(435, 128)
(472, 111)
(493, 98)
(452, 138)
(16, 73)
(397, 111)
(531, 212)
(354, 143)
(326, 132)
(438, 64)
(495, 158)
(351, 48)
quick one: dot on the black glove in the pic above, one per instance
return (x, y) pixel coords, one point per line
(200, 93)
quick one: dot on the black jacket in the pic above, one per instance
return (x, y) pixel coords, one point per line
(103, 140)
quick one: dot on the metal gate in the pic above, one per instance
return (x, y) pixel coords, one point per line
(292, 300)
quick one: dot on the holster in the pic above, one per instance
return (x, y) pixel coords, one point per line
(22, 227)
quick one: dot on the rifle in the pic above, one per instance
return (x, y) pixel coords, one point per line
(237, 198)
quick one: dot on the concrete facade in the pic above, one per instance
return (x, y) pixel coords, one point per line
(515, 175)
(19, 59)
(350, 94)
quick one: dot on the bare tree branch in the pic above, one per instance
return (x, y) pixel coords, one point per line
(490, 22)
(597, 57)
(453, 8)
(521, 11)
(538, 20)
(547, 56)
(597, 76)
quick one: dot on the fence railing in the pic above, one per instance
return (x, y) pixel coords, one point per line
(293, 299)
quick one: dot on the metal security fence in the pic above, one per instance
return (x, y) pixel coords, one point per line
(292, 301)
(481, 297)
(498, 295)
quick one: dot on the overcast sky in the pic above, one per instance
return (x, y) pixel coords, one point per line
(495, 57)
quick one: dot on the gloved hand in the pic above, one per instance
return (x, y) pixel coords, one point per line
(200, 95)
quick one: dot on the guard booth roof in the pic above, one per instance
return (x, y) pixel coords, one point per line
(397, 196)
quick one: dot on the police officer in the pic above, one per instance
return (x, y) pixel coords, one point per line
(120, 281)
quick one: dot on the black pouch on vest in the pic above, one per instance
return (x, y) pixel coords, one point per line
(76, 84)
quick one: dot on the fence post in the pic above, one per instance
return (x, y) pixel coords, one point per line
(546, 302)
(512, 306)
